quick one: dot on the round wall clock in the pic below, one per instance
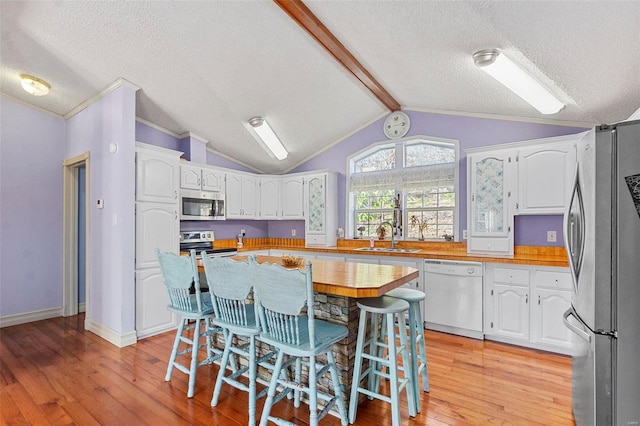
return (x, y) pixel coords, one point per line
(396, 125)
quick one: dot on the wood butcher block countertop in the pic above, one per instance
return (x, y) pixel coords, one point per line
(352, 279)
(524, 255)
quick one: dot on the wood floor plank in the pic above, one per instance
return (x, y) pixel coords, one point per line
(55, 372)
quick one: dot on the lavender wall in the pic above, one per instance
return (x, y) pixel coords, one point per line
(111, 243)
(148, 134)
(31, 154)
(470, 132)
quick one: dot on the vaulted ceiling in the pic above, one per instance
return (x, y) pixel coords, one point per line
(207, 67)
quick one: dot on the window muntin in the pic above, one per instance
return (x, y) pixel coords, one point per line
(426, 182)
(423, 153)
(381, 159)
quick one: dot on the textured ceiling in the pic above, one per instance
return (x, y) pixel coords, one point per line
(207, 67)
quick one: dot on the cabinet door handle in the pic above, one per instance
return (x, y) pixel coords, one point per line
(175, 215)
(526, 299)
(538, 299)
(175, 195)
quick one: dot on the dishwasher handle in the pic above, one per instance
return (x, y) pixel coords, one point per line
(464, 269)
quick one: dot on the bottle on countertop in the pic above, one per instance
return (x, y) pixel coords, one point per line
(371, 242)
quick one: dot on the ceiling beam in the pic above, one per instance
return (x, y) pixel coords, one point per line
(300, 13)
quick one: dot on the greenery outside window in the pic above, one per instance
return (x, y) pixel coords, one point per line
(422, 170)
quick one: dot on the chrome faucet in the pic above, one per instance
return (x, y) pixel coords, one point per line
(393, 232)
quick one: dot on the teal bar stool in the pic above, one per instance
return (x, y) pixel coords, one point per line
(179, 274)
(389, 308)
(417, 351)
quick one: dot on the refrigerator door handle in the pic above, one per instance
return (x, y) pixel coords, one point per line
(581, 333)
(574, 229)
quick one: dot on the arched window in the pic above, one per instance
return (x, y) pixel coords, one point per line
(421, 170)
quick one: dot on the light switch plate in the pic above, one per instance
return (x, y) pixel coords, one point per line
(551, 236)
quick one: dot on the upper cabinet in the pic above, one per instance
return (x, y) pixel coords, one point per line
(241, 196)
(490, 176)
(321, 207)
(269, 192)
(201, 178)
(156, 174)
(292, 197)
(544, 177)
(524, 178)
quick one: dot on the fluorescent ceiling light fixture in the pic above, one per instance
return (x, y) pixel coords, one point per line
(268, 137)
(34, 85)
(498, 66)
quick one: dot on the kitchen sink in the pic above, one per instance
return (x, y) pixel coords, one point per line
(387, 250)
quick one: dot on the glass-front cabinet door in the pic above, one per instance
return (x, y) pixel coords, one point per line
(316, 205)
(490, 177)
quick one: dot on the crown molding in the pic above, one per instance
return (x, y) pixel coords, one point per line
(582, 124)
(337, 141)
(30, 105)
(120, 82)
(194, 136)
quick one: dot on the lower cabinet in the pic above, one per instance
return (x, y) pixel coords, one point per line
(524, 306)
(152, 315)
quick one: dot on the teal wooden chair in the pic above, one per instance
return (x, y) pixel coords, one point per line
(281, 295)
(180, 275)
(230, 285)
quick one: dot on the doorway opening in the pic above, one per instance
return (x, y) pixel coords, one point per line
(75, 279)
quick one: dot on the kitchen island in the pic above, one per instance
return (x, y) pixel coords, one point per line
(337, 287)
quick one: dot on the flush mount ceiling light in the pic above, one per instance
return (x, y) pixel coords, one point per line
(34, 85)
(268, 137)
(498, 66)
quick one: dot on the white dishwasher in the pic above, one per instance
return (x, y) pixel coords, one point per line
(453, 302)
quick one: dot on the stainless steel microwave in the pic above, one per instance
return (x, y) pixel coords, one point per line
(201, 205)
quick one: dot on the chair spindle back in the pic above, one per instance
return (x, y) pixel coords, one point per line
(281, 295)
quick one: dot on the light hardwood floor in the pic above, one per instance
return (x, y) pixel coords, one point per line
(53, 372)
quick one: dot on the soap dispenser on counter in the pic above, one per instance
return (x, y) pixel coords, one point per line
(240, 238)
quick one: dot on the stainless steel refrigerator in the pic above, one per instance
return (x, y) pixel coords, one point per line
(602, 237)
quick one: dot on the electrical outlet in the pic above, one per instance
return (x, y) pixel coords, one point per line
(242, 232)
(464, 234)
(293, 232)
(551, 236)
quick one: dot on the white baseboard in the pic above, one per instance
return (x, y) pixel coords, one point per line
(26, 317)
(82, 307)
(120, 340)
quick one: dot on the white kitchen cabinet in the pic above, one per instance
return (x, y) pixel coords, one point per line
(507, 304)
(524, 306)
(510, 311)
(490, 178)
(328, 256)
(201, 178)
(373, 260)
(156, 174)
(241, 196)
(551, 293)
(545, 175)
(292, 196)
(157, 226)
(269, 194)
(321, 207)
(152, 315)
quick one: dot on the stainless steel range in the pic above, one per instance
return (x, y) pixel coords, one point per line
(204, 241)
